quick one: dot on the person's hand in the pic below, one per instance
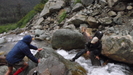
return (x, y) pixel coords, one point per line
(88, 52)
(38, 60)
(83, 29)
(97, 57)
(39, 49)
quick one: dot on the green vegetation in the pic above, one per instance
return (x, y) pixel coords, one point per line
(22, 23)
(62, 17)
(26, 19)
(43, 1)
(39, 7)
(12, 11)
(7, 27)
(77, 1)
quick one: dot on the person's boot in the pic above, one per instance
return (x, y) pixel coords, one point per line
(18, 71)
(72, 60)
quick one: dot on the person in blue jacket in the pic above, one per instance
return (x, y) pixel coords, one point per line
(18, 52)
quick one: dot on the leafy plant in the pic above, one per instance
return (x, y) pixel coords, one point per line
(62, 17)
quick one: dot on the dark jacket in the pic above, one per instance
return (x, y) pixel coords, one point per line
(20, 50)
(95, 48)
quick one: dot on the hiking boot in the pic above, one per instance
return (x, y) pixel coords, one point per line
(72, 60)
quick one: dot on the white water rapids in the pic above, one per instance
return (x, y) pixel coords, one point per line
(109, 69)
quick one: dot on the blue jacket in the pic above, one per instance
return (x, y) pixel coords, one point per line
(20, 50)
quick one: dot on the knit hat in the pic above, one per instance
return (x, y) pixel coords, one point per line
(94, 40)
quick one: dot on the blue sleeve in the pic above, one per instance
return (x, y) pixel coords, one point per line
(28, 53)
(33, 47)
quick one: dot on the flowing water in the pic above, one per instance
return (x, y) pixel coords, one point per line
(109, 69)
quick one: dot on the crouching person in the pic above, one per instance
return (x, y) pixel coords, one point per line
(15, 57)
(93, 48)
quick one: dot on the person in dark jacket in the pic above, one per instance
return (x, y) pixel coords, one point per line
(18, 52)
(92, 47)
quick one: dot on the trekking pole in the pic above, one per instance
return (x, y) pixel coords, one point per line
(36, 71)
(37, 68)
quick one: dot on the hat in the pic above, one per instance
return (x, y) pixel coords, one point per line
(94, 40)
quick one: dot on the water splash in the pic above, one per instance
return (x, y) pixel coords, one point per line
(109, 69)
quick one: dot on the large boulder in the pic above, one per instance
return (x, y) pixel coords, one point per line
(67, 39)
(118, 48)
(77, 19)
(52, 6)
(54, 64)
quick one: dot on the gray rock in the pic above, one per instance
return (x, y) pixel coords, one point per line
(51, 6)
(39, 21)
(42, 37)
(3, 40)
(129, 7)
(3, 70)
(92, 22)
(111, 2)
(77, 7)
(77, 19)
(87, 2)
(38, 32)
(105, 20)
(67, 39)
(118, 48)
(112, 13)
(119, 7)
(54, 64)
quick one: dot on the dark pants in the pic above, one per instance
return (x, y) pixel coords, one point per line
(80, 53)
(93, 59)
(16, 65)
